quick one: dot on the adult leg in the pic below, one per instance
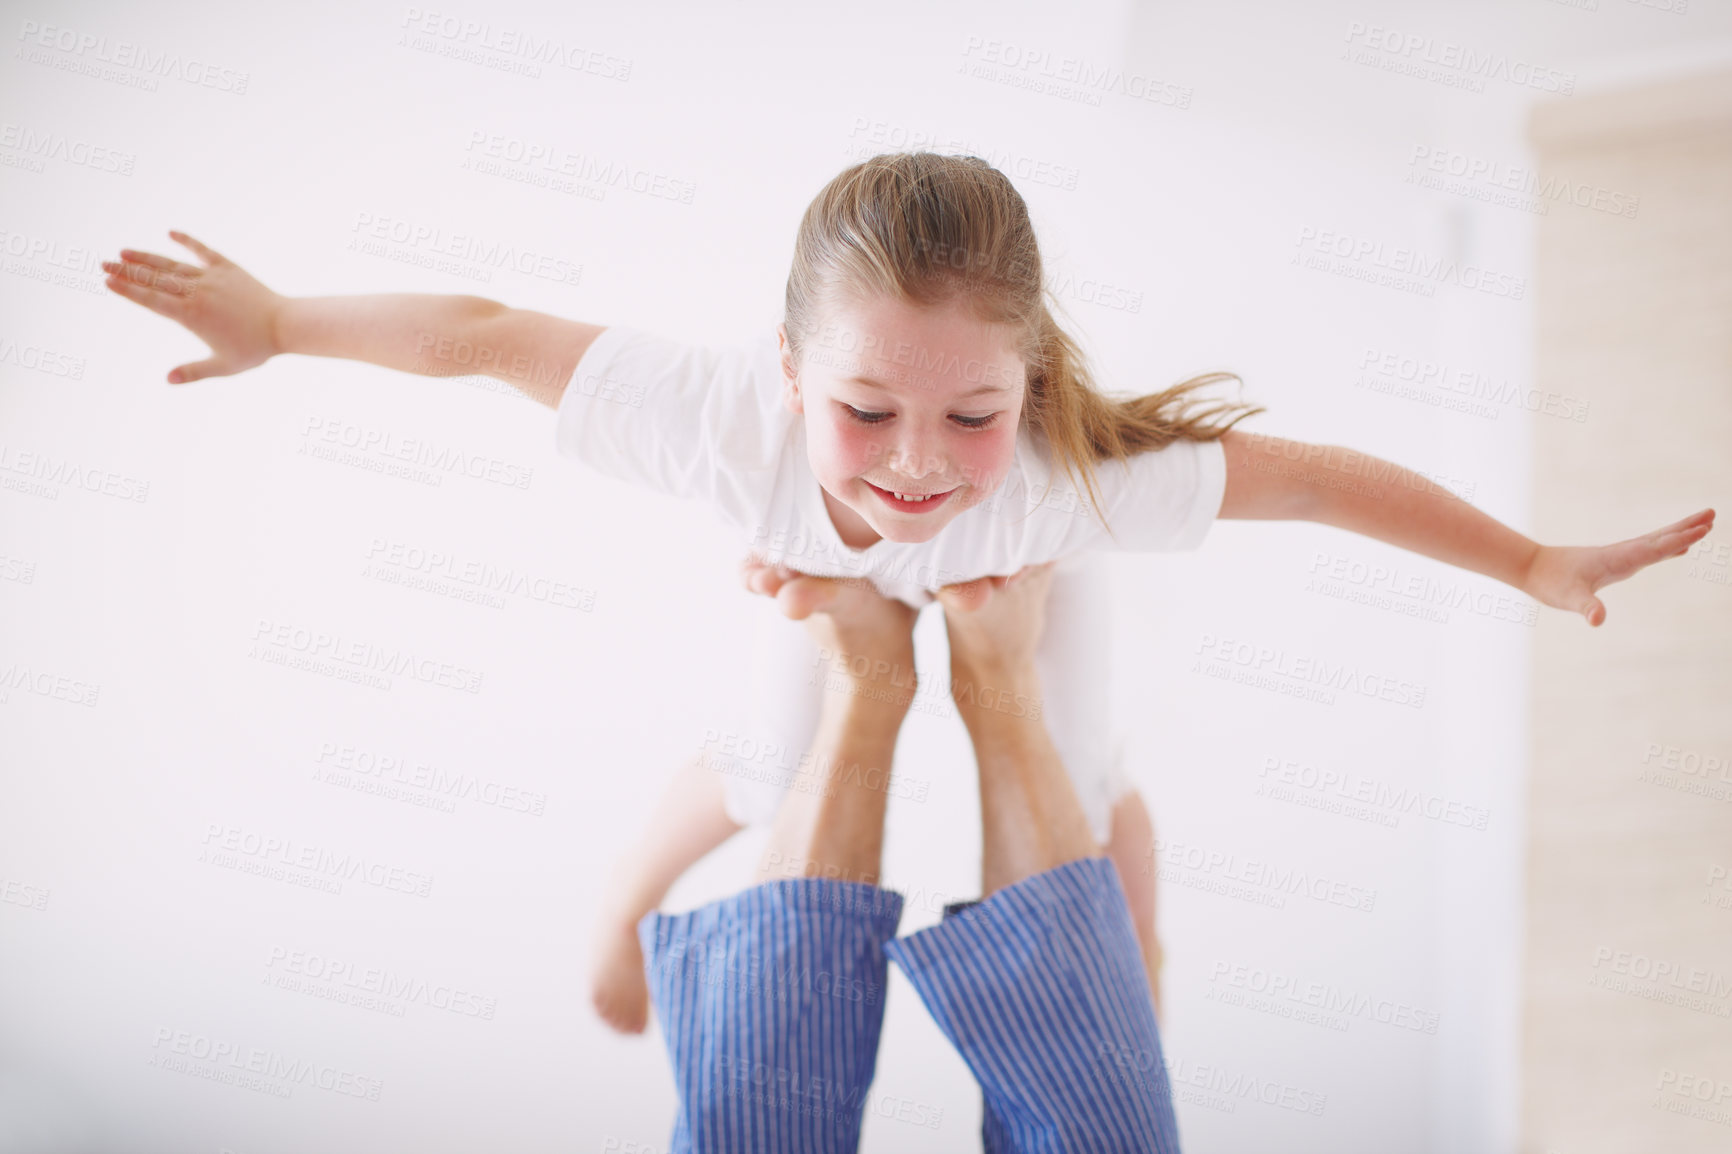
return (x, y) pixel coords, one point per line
(771, 1002)
(831, 824)
(1041, 985)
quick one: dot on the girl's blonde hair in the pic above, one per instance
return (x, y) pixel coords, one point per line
(927, 228)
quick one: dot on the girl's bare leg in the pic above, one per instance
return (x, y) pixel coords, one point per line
(1131, 848)
(689, 821)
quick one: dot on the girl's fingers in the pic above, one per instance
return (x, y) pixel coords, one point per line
(150, 278)
(168, 306)
(166, 264)
(1626, 558)
(1696, 531)
(1694, 527)
(1677, 541)
(197, 370)
(1670, 541)
(209, 255)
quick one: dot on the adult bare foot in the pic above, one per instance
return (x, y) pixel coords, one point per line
(799, 595)
(996, 622)
(865, 639)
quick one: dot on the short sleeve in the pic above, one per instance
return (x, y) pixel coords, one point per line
(1165, 499)
(669, 415)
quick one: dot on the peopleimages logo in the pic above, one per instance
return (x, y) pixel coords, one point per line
(1387, 371)
(1412, 594)
(51, 472)
(1287, 996)
(496, 154)
(228, 845)
(254, 1067)
(1302, 675)
(17, 676)
(86, 53)
(1397, 266)
(1662, 980)
(1234, 1086)
(342, 980)
(37, 146)
(41, 359)
(430, 28)
(384, 445)
(314, 650)
(868, 137)
(1456, 61)
(1334, 790)
(1250, 879)
(1066, 77)
(428, 245)
(1480, 179)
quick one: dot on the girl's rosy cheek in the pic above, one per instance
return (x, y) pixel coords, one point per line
(844, 452)
(856, 449)
(983, 465)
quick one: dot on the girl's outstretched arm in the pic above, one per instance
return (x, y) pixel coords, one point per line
(1269, 478)
(245, 324)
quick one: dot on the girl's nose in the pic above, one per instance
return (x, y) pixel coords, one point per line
(915, 464)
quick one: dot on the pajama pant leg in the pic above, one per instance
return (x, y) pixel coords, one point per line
(1041, 989)
(771, 1003)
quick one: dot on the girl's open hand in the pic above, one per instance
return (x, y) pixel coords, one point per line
(220, 303)
(1567, 577)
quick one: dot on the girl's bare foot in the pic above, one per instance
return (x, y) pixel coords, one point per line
(617, 987)
(690, 819)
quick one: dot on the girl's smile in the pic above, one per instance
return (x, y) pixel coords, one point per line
(904, 502)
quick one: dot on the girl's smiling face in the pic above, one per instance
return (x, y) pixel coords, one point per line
(902, 401)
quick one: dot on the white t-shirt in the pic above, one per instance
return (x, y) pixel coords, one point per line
(708, 423)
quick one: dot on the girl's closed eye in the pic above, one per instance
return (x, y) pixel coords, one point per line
(862, 417)
(868, 418)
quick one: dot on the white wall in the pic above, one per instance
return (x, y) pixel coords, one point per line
(1196, 201)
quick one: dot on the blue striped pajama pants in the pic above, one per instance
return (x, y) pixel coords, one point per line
(771, 1003)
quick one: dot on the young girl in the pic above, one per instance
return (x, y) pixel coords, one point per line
(921, 421)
